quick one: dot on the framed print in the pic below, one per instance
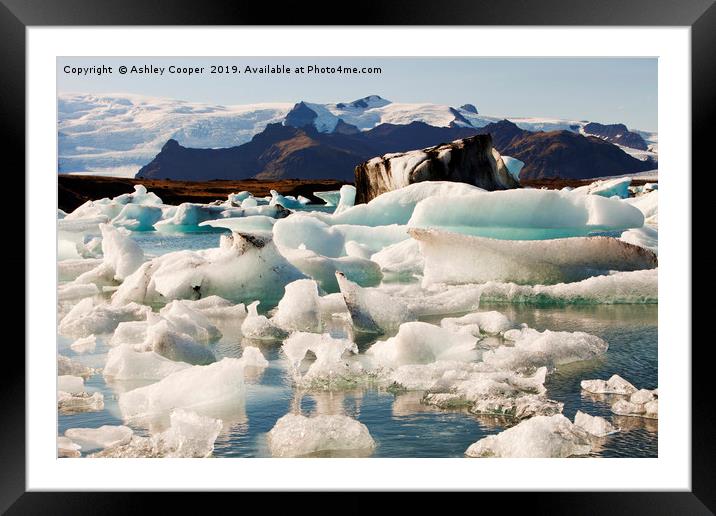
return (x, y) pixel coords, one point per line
(416, 252)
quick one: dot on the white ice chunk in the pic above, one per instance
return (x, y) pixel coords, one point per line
(540, 436)
(329, 352)
(346, 198)
(203, 389)
(124, 363)
(422, 343)
(164, 340)
(648, 204)
(260, 327)
(252, 357)
(615, 385)
(330, 197)
(71, 291)
(402, 258)
(75, 402)
(490, 323)
(84, 345)
(474, 259)
(299, 308)
(607, 188)
(594, 425)
(646, 237)
(66, 366)
(120, 251)
(86, 319)
(71, 384)
(185, 319)
(105, 436)
(66, 448)
(514, 166)
(295, 435)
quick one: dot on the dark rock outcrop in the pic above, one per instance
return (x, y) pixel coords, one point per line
(471, 160)
(469, 108)
(616, 133)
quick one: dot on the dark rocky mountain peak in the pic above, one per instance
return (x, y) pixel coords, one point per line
(300, 116)
(470, 108)
(616, 133)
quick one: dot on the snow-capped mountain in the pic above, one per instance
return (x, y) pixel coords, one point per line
(116, 134)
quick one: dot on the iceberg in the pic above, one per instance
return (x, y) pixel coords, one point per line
(189, 435)
(346, 198)
(478, 323)
(330, 197)
(372, 311)
(646, 237)
(185, 319)
(69, 270)
(422, 343)
(260, 327)
(478, 260)
(86, 319)
(84, 345)
(121, 253)
(76, 402)
(607, 188)
(66, 448)
(525, 214)
(297, 436)
(126, 364)
(329, 366)
(72, 292)
(300, 307)
(514, 166)
(105, 436)
(189, 216)
(548, 348)
(615, 385)
(252, 357)
(205, 389)
(648, 204)
(403, 258)
(540, 436)
(138, 217)
(245, 267)
(642, 403)
(164, 340)
(71, 384)
(66, 366)
(594, 425)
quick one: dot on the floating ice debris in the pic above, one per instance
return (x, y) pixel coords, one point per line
(329, 366)
(131, 332)
(548, 348)
(648, 204)
(330, 197)
(189, 216)
(540, 436)
(105, 436)
(318, 250)
(66, 448)
(69, 383)
(120, 251)
(401, 258)
(84, 345)
(185, 319)
(244, 268)
(296, 436)
(478, 323)
(252, 357)
(300, 307)
(646, 237)
(422, 343)
(69, 270)
(371, 310)
(260, 327)
(243, 224)
(514, 166)
(477, 260)
(642, 403)
(66, 366)
(607, 188)
(71, 291)
(75, 402)
(594, 425)
(396, 207)
(175, 345)
(525, 214)
(85, 318)
(288, 201)
(203, 389)
(138, 217)
(124, 363)
(189, 435)
(615, 385)
(346, 198)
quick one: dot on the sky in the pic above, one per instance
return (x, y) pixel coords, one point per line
(606, 90)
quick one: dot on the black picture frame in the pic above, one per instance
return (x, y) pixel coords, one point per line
(17, 15)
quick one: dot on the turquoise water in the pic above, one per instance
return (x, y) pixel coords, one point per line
(400, 424)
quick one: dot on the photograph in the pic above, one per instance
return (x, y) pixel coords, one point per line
(357, 257)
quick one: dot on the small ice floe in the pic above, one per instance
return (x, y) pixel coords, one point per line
(75, 402)
(87, 318)
(372, 311)
(175, 345)
(188, 217)
(615, 385)
(252, 357)
(243, 268)
(260, 327)
(475, 259)
(330, 367)
(84, 345)
(479, 323)
(403, 258)
(297, 436)
(69, 383)
(66, 448)
(646, 237)
(346, 198)
(121, 256)
(69, 270)
(185, 319)
(607, 188)
(548, 348)
(189, 435)
(126, 364)
(539, 436)
(72, 291)
(594, 425)
(66, 366)
(330, 197)
(98, 438)
(205, 389)
(648, 204)
(422, 343)
(300, 307)
(642, 403)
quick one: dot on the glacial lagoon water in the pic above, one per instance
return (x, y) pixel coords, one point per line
(399, 423)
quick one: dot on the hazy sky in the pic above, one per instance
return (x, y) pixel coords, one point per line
(604, 90)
